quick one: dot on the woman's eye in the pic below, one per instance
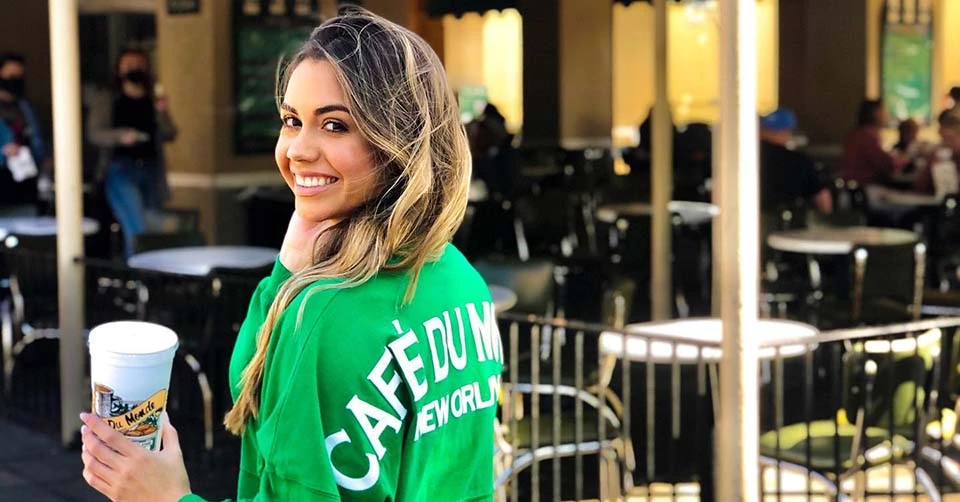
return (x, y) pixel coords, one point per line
(291, 121)
(334, 126)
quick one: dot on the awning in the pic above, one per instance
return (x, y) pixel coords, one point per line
(460, 7)
(628, 2)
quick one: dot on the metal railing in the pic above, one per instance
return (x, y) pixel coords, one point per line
(845, 414)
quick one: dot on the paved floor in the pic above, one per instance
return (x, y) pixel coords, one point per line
(34, 467)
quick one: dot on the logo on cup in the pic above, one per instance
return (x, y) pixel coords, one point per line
(139, 421)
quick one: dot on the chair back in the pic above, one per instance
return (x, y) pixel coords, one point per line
(891, 275)
(902, 378)
(533, 282)
(179, 220)
(31, 261)
(182, 303)
(152, 241)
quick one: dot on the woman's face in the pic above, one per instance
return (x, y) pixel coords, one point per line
(321, 154)
(130, 62)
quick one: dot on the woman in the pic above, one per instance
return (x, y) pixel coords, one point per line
(369, 362)
(864, 159)
(19, 129)
(945, 158)
(130, 127)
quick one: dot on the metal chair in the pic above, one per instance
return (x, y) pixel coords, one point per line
(585, 422)
(152, 241)
(889, 392)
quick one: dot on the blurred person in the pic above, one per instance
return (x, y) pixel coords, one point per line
(787, 175)
(909, 147)
(864, 159)
(22, 142)
(495, 159)
(953, 98)
(908, 130)
(343, 344)
(130, 125)
(947, 152)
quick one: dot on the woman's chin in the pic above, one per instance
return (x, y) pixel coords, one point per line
(311, 213)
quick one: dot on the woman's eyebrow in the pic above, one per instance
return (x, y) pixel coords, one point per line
(319, 111)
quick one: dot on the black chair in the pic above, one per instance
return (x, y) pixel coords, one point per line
(888, 283)
(115, 292)
(533, 282)
(180, 220)
(886, 286)
(943, 234)
(231, 294)
(152, 241)
(888, 395)
(32, 265)
(31, 314)
(183, 304)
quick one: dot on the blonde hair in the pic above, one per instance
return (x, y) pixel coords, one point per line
(399, 97)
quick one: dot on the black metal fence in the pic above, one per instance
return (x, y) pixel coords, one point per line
(588, 411)
(844, 415)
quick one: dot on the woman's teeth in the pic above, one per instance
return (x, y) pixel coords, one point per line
(314, 181)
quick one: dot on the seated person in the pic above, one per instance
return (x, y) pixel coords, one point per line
(912, 149)
(864, 159)
(787, 175)
(948, 151)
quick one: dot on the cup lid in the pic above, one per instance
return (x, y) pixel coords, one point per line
(132, 338)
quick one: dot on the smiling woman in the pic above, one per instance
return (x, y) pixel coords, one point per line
(370, 358)
(321, 154)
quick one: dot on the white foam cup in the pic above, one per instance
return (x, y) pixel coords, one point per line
(130, 364)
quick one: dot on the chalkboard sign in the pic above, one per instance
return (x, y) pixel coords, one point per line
(265, 32)
(175, 7)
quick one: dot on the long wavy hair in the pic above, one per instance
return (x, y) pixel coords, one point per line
(399, 97)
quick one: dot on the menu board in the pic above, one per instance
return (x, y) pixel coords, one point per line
(907, 67)
(264, 32)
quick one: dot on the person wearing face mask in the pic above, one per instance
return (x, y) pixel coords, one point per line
(130, 126)
(19, 130)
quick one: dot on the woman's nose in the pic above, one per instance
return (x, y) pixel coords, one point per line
(305, 147)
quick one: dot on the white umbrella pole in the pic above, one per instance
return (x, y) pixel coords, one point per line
(65, 71)
(661, 283)
(737, 428)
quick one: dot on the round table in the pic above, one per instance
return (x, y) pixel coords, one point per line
(200, 261)
(881, 197)
(693, 213)
(40, 225)
(504, 299)
(698, 339)
(837, 240)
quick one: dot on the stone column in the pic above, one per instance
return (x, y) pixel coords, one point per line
(567, 73)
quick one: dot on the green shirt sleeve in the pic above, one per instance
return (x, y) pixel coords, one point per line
(267, 291)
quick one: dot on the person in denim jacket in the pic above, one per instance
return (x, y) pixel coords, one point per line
(19, 128)
(130, 126)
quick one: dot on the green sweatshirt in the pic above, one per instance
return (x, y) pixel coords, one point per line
(366, 398)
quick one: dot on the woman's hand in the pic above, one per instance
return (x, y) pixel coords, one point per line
(129, 137)
(116, 467)
(11, 149)
(299, 244)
